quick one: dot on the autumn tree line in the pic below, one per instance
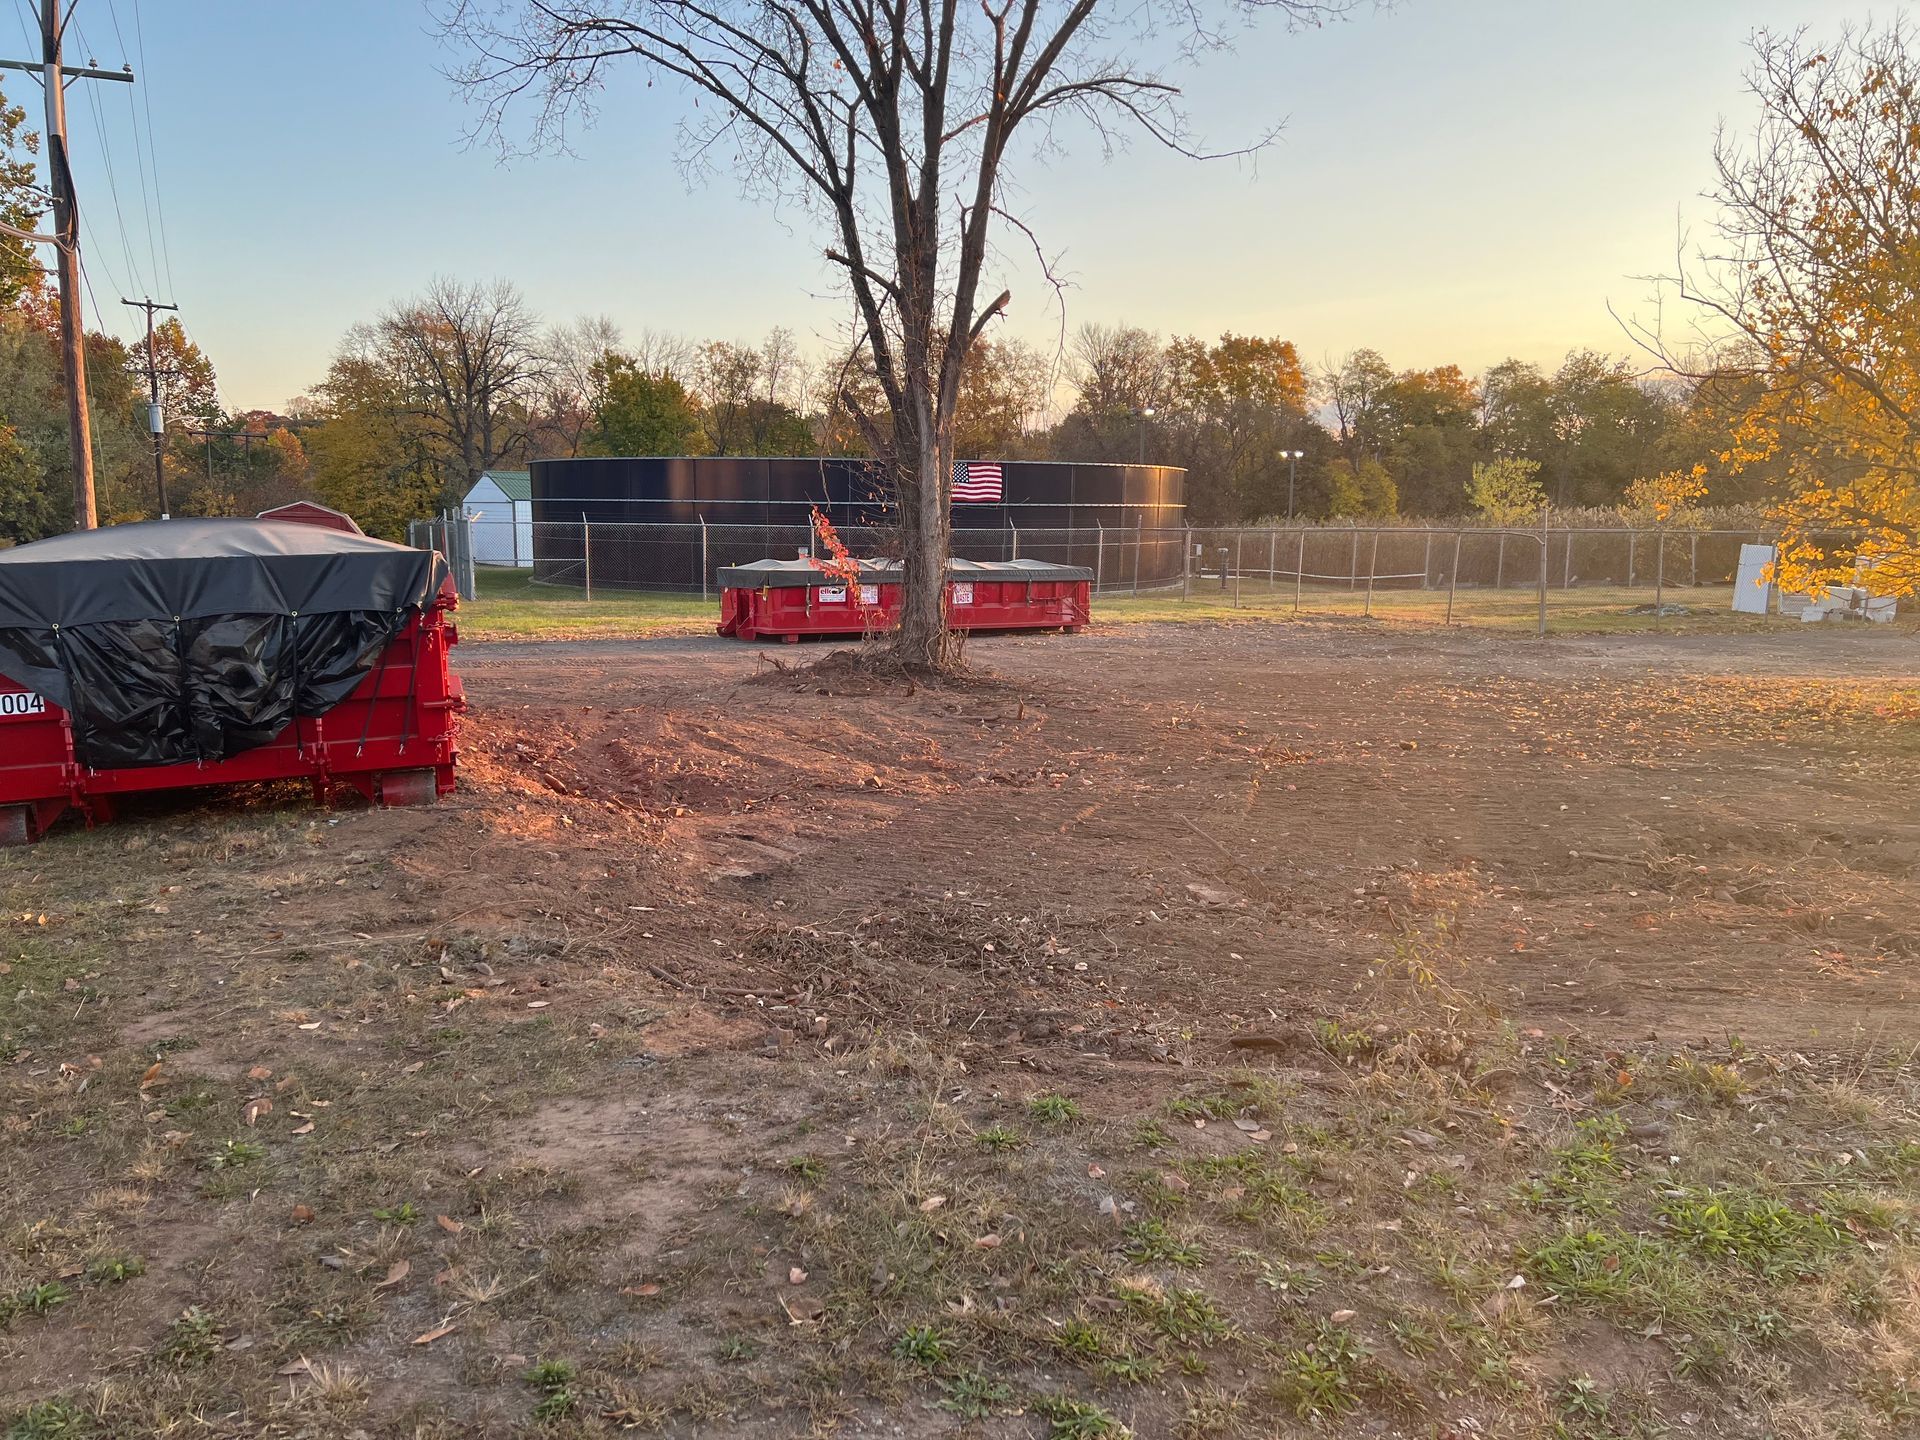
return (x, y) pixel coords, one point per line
(418, 402)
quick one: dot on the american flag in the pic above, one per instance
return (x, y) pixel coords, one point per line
(974, 481)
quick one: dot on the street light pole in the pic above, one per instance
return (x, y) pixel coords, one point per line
(1293, 458)
(1143, 414)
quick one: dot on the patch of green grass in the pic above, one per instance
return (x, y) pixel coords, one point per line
(115, 1269)
(508, 606)
(1289, 1282)
(1054, 1109)
(736, 1350)
(1149, 1242)
(1323, 1379)
(1762, 1233)
(1711, 1080)
(405, 1213)
(1413, 1337)
(1081, 1339)
(922, 1345)
(554, 1379)
(555, 1405)
(810, 1169)
(1069, 1419)
(973, 1396)
(1582, 1403)
(54, 1419)
(1341, 1041)
(1585, 1174)
(1151, 1135)
(999, 1137)
(192, 1341)
(1129, 1369)
(1186, 1317)
(33, 1300)
(1637, 1278)
(1264, 1190)
(234, 1155)
(549, 1374)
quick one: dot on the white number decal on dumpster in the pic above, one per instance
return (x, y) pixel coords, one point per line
(962, 593)
(15, 702)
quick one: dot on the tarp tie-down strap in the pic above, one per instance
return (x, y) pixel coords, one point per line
(293, 626)
(373, 699)
(413, 687)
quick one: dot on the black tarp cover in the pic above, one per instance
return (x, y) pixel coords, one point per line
(180, 640)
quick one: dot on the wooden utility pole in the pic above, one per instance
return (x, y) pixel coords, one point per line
(66, 243)
(155, 426)
(66, 231)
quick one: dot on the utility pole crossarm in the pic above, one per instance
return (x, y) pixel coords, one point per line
(70, 72)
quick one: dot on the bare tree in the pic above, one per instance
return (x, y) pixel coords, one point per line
(661, 352)
(572, 384)
(1118, 369)
(892, 121)
(471, 359)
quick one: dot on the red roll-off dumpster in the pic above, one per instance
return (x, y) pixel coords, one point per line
(182, 653)
(788, 599)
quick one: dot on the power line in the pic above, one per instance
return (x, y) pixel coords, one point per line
(139, 153)
(146, 99)
(106, 156)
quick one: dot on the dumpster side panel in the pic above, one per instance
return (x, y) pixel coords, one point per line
(400, 717)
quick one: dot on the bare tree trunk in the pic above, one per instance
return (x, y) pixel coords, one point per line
(924, 526)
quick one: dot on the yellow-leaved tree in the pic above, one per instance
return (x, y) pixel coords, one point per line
(1818, 276)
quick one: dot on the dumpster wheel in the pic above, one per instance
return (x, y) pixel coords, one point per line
(14, 826)
(409, 787)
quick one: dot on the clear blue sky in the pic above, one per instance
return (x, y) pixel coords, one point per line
(1459, 181)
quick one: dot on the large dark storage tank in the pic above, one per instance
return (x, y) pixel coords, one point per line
(756, 508)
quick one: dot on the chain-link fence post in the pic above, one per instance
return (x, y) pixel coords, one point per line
(1099, 556)
(586, 556)
(705, 568)
(1186, 561)
(1139, 544)
(1373, 565)
(1500, 565)
(1693, 560)
(1299, 570)
(1631, 538)
(1659, 575)
(1273, 546)
(1239, 536)
(1545, 535)
(1013, 531)
(1426, 564)
(1353, 563)
(1566, 573)
(1453, 575)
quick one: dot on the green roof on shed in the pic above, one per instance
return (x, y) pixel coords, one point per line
(514, 484)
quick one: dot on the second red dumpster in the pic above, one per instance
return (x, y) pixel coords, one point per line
(791, 598)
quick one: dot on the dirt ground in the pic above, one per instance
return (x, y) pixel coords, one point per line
(735, 1023)
(1679, 839)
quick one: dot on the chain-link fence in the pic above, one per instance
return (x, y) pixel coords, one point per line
(1444, 574)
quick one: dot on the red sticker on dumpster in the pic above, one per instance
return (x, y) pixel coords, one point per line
(22, 702)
